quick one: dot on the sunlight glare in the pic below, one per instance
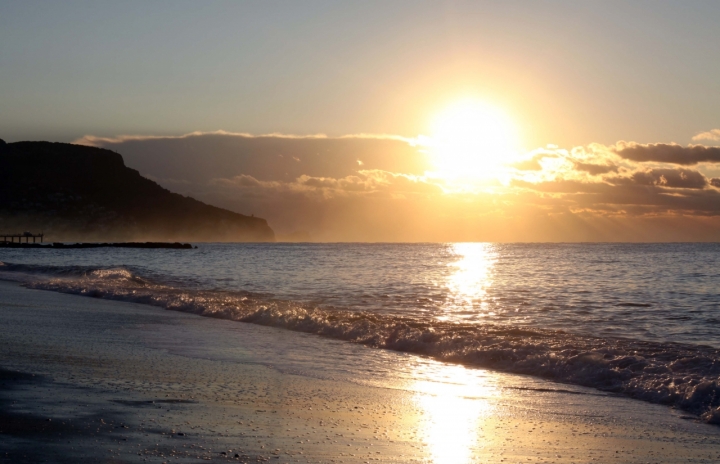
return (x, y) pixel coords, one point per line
(470, 277)
(471, 140)
(454, 401)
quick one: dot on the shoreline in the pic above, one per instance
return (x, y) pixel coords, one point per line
(269, 394)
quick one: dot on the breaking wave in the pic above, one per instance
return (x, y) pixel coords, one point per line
(679, 375)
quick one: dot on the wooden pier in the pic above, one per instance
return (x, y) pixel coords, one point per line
(25, 235)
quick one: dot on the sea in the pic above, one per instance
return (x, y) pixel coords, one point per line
(637, 320)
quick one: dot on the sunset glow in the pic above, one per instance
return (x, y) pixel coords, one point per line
(471, 140)
(342, 231)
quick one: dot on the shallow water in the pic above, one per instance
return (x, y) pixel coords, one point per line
(665, 292)
(229, 386)
(638, 319)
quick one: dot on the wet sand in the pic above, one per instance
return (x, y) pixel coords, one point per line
(88, 380)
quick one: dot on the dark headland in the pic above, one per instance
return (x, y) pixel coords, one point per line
(79, 193)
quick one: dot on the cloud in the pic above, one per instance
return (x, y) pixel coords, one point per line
(671, 178)
(200, 157)
(667, 153)
(580, 163)
(533, 163)
(713, 134)
(625, 198)
(376, 183)
(595, 169)
(380, 187)
(103, 142)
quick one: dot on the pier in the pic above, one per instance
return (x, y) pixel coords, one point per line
(25, 235)
(73, 246)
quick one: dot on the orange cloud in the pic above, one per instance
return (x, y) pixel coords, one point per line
(713, 134)
(317, 184)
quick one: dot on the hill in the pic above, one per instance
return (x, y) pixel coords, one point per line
(74, 192)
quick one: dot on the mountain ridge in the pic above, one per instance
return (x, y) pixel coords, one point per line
(76, 192)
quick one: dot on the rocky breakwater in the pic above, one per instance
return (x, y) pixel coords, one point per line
(73, 246)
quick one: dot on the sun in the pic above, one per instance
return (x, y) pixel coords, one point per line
(471, 140)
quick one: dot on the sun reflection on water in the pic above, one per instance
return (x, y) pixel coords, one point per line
(470, 278)
(454, 401)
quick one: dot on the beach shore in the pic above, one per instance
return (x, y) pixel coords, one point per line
(89, 380)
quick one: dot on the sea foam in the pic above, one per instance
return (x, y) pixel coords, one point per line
(679, 375)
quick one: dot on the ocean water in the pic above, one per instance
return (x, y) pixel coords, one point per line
(641, 320)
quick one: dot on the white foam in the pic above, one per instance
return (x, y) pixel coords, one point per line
(684, 376)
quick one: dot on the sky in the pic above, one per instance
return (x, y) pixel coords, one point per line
(384, 121)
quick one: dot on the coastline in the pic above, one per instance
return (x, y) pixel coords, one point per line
(94, 380)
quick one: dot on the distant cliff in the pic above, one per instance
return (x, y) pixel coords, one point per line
(73, 192)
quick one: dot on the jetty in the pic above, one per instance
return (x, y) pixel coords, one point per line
(71, 246)
(25, 235)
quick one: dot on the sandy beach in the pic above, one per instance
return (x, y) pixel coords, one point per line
(89, 380)
(342, 231)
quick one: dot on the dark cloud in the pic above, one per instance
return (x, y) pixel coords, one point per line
(202, 157)
(715, 182)
(365, 182)
(671, 178)
(636, 194)
(668, 153)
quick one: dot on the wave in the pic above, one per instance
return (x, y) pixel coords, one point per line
(25, 270)
(683, 376)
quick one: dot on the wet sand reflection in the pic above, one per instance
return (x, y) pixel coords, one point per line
(454, 402)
